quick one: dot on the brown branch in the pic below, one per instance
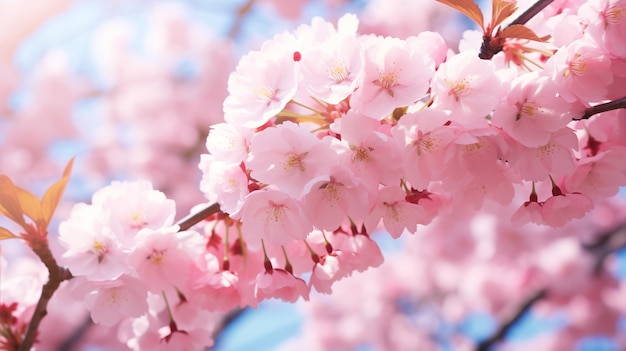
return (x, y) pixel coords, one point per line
(607, 243)
(57, 275)
(512, 318)
(195, 218)
(241, 14)
(493, 45)
(608, 106)
(224, 323)
(531, 12)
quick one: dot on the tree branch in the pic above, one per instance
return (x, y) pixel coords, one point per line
(608, 106)
(609, 242)
(531, 12)
(224, 323)
(56, 276)
(195, 218)
(241, 14)
(513, 317)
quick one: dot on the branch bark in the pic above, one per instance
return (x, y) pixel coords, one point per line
(242, 12)
(531, 12)
(513, 317)
(608, 106)
(57, 275)
(608, 242)
(197, 217)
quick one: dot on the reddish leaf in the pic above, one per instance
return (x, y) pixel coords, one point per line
(53, 195)
(30, 204)
(468, 7)
(520, 31)
(501, 10)
(6, 234)
(9, 201)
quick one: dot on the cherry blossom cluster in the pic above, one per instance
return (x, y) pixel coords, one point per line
(331, 136)
(131, 265)
(483, 264)
(326, 129)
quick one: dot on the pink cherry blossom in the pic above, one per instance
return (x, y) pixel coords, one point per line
(331, 199)
(328, 270)
(555, 157)
(528, 212)
(397, 214)
(559, 209)
(607, 22)
(424, 138)
(273, 216)
(395, 75)
(532, 111)
(147, 208)
(92, 249)
(600, 175)
(581, 70)
(223, 182)
(114, 300)
(359, 251)
(367, 150)
(332, 69)
(219, 288)
(261, 87)
(162, 257)
(289, 155)
(468, 87)
(281, 284)
(229, 142)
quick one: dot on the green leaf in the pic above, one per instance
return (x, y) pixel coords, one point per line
(53, 195)
(467, 7)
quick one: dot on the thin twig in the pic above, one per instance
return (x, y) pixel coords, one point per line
(197, 217)
(531, 12)
(511, 320)
(227, 320)
(607, 243)
(74, 339)
(608, 106)
(56, 276)
(241, 14)
(492, 45)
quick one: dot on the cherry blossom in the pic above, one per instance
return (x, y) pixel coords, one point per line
(493, 171)
(467, 87)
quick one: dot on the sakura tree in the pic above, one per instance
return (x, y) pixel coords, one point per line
(494, 161)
